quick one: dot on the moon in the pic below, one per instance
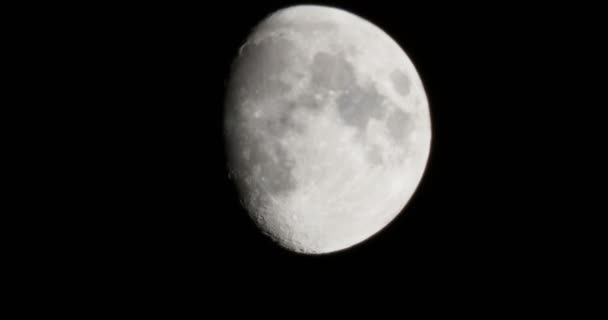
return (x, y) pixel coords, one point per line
(327, 128)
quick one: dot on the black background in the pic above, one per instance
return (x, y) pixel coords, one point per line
(152, 205)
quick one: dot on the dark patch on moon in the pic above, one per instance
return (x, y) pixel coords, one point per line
(359, 105)
(356, 104)
(401, 82)
(400, 125)
(307, 99)
(374, 154)
(332, 72)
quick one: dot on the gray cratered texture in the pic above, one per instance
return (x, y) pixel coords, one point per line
(327, 128)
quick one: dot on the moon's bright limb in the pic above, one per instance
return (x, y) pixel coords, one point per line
(327, 128)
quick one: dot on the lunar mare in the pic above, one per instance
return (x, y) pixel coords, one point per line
(327, 128)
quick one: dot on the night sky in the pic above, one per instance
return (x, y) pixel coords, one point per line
(162, 211)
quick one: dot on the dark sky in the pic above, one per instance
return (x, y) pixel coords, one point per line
(163, 208)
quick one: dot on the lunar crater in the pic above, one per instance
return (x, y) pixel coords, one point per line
(401, 82)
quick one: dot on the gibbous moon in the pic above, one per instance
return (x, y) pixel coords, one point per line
(327, 128)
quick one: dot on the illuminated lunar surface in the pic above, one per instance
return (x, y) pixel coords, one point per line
(327, 128)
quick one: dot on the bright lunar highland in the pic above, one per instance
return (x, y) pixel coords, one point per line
(327, 128)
